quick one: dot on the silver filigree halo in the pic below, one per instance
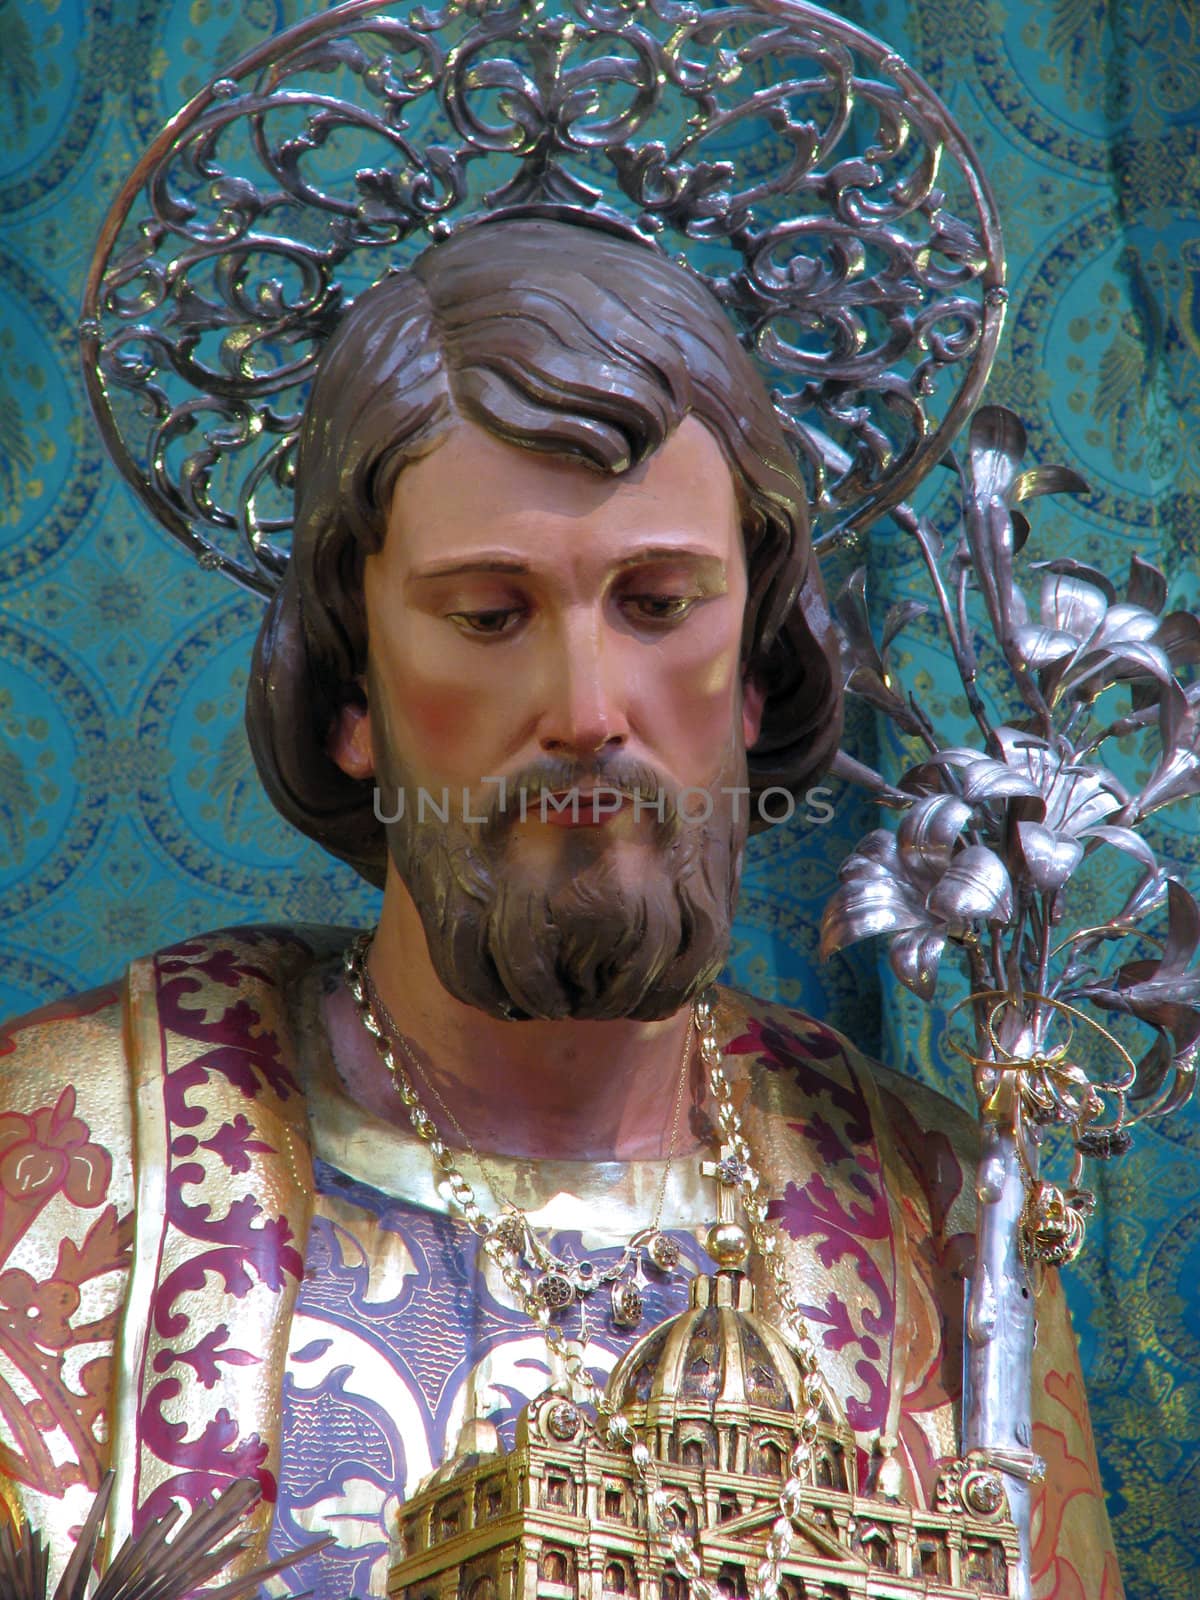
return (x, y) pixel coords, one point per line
(791, 159)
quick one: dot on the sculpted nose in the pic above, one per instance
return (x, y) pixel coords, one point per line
(584, 710)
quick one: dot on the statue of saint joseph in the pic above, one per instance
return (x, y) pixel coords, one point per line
(551, 641)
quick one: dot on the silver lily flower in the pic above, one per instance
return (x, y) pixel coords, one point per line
(1054, 803)
(922, 884)
(1086, 638)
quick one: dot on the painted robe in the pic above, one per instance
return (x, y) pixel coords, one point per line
(213, 1264)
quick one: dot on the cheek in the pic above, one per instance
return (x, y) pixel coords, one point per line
(442, 717)
(438, 711)
(713, 671)
(691, 690)
(712, 679)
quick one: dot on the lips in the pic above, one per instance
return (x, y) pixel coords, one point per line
(582, 808)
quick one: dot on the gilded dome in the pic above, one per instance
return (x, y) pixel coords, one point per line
(717, 1353)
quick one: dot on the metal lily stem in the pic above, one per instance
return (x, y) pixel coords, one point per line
(957, 632)
(999, 1321)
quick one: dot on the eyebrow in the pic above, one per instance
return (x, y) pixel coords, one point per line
(666, 552)
(450, 569)
(670, 552)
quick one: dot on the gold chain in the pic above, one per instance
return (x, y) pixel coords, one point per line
(614, 1428)
(379, 1006)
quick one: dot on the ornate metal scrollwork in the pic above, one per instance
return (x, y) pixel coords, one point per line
(791, 159)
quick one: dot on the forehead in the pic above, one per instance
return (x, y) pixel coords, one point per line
(475, 492)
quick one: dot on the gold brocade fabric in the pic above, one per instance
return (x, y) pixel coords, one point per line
(214, 1312)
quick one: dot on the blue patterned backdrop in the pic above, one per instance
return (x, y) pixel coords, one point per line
(129, 812)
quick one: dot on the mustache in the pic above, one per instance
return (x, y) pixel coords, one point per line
(556, 775)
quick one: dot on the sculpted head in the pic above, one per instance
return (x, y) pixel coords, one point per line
(549, 539)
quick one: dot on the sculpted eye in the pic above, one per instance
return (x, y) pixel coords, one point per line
(487, 624)
(660, 607)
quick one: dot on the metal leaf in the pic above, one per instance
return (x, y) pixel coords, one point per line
(1041, 647)
(997, 445)
(898, 617)
(868, 901)
(1152, 1069)
(1176, 720)
(914, 957)
(984, 778)
(1184, 1085)
(1047, 480)
(1068, 567)
(1169, 1008)
(1183, 930)
(927, 835)
(1127, 840)
(1181, 1091)
(975, 888)
(1161, 992)
(1178, 636)
(1048, 858)
(1021, 529)
(1069, 605)
(1147, 586)
(1177, 776)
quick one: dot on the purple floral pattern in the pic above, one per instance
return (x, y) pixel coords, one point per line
(839, 1209)
(223, 1080)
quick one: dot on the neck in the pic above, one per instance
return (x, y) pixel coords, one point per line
(561, 1090)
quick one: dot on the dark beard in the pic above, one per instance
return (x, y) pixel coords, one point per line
(584, 944)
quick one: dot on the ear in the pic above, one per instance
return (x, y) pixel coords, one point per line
(349, 742)
(754, 700)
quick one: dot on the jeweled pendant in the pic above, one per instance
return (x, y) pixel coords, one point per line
(626, 1305)
(663, 1252)
(509, 1231)
(555, 1290)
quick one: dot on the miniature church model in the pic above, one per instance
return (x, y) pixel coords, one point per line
(715, 1393)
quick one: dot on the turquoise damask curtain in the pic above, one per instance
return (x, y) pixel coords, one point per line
(129, 813)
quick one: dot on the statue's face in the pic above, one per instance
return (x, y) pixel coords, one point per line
(532, 621)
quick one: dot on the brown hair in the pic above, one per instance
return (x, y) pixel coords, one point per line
(556, 337)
